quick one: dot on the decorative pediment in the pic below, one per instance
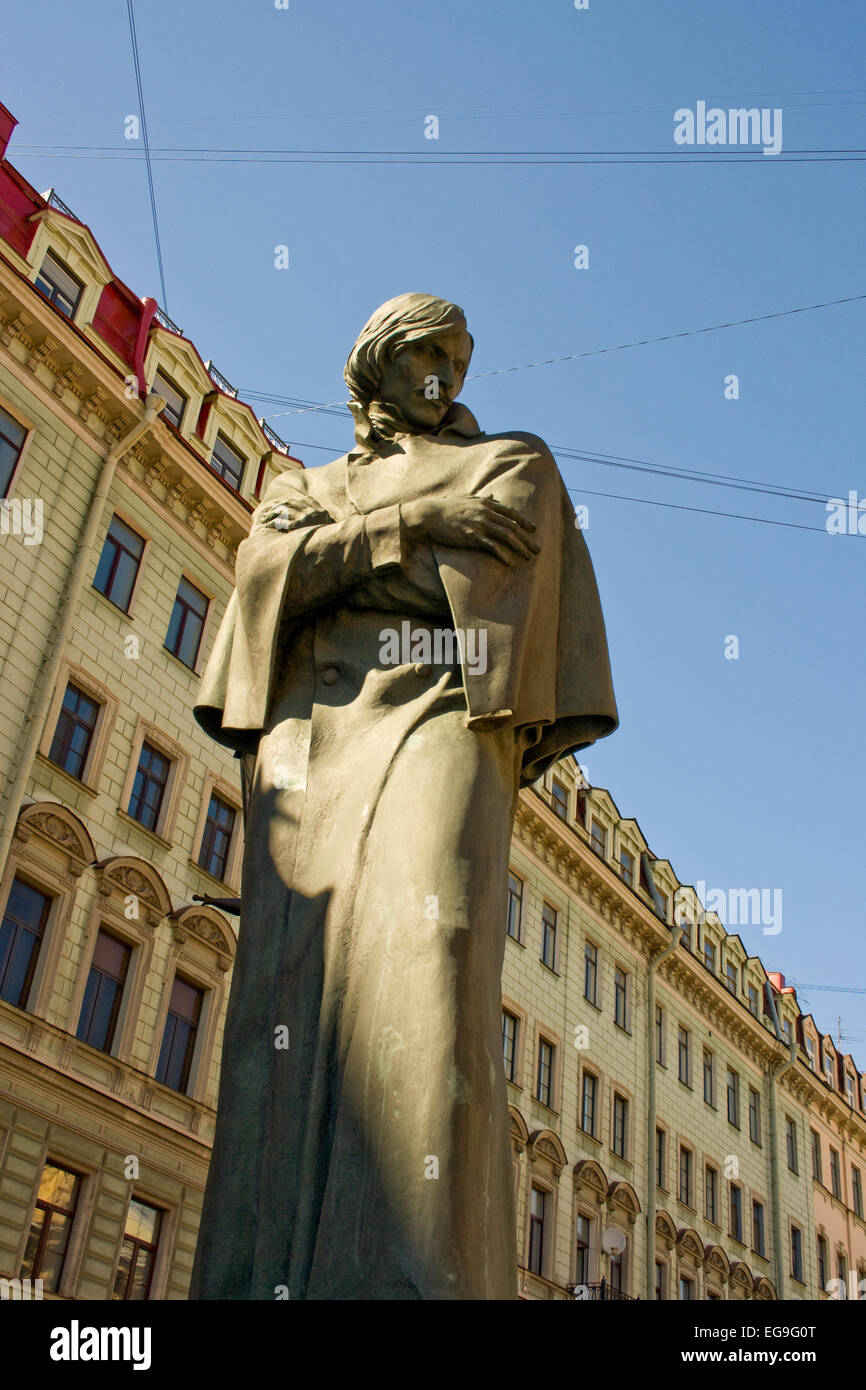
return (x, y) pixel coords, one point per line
(742, 1275)
(208, 925)
(625, 1196)
(666, 1227)
(764, 1288)
(59, 827)
(716, 1258)
(588, 1173)
(690, 1242)
(519, 1127)
(128, 875)
(543, 1143)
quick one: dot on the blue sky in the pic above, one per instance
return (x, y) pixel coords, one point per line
(746, 773)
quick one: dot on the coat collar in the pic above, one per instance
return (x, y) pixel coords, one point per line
(458, 420)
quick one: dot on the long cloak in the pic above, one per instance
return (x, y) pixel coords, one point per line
(369, 1158)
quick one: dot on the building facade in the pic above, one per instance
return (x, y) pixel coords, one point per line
(655, 1085)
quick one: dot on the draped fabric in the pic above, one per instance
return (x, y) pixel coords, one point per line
(370, 1158)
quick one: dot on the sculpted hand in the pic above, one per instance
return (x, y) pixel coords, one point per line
(479, 523)
(291, 514)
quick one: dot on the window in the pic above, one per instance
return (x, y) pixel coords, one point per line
(509, 1044)
(148, 789)
(791, 1143)
(711, 1193)
(186, 626)
(736, 1212)
(50, 1226)
(620, 998)
(687, 1289)
(754, 1116)
(786, 1030)
(686, 935)
(581, 1264)
(709, 1078)
(660, 1034)
(560, 798)
(816, 1156)
(178, 1039)
(617, 1271)
(227, 462)
(752, 995)
(580, 807)
(590, 973)
(823, 1255)
(134, 1272)
(626, 867)
(842, 1273)
(683, 1054)
(515, 906)
(620, 1125)
(175, 400)
(828, 1069)
(810, 1053)
(857, 1191)
(103, 992)
(661, 1281)
(548, 935)
(544, 1075)
(589, 1092)
(758, 1228)
(661, 1159)
(731, 976)
(537, 1215)
(21, 936)
(733, 1097)
(710, 954)
(835, 1175)
(74, 733)
(598, 838)
(685, 1186)
(118, 564)
(59, 285)
(216, 841)
(12, 437)
(797, 1253)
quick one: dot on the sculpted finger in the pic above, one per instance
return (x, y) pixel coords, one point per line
(500, 551)
(501, 508)
(517, 542)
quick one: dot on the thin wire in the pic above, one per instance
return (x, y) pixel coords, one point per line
(708, 511)
(598, 352)
(147, 157)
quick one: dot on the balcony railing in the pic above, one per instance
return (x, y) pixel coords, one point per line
(53, 201)
(599, 1293)
(274, 439)
(222, 382)
(163, 318)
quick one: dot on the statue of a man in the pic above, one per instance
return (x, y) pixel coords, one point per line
(362, 1143)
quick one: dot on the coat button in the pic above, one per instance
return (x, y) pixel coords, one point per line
(422, 669)
(330, 676)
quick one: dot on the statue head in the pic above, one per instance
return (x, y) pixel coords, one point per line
(407, 366)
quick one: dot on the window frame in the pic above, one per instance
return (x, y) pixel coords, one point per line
(520, 899)
(164, 827)
(56, 290)
(203, 619)
(243, 459)
(119, 515)
(20, 450)
(172, 386)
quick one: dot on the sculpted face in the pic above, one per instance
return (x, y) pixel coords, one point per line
(423, 377)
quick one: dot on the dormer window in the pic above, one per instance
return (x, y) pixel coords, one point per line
(175, 400)
(810, 1052)
(59, 285)
(227, 462)
(626, 867)
(828, 1070)
(559, 796)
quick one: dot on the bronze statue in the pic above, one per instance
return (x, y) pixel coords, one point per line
(362, 1144)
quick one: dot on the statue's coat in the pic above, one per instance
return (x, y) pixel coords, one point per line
(380, 808)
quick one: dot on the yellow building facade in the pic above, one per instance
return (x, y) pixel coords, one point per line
(637, 1067)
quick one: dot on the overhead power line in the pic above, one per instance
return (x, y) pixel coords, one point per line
(338, 407)
(147, 154)
(478, 158)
